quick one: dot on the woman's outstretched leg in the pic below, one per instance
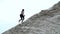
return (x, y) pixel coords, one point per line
(19, 20)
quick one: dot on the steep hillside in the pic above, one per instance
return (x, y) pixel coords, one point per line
(45, 22)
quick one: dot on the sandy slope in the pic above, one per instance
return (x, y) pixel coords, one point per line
(45, 22)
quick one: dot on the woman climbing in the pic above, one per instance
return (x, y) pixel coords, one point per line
(22, 15)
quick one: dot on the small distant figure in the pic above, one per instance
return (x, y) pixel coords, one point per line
(22, 15)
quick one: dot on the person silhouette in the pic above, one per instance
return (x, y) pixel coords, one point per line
(22, 15)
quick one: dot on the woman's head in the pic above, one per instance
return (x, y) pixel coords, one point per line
(22, 9)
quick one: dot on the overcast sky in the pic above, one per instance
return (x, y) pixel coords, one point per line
(10, 10)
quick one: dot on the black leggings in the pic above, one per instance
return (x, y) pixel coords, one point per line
(22, 17)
